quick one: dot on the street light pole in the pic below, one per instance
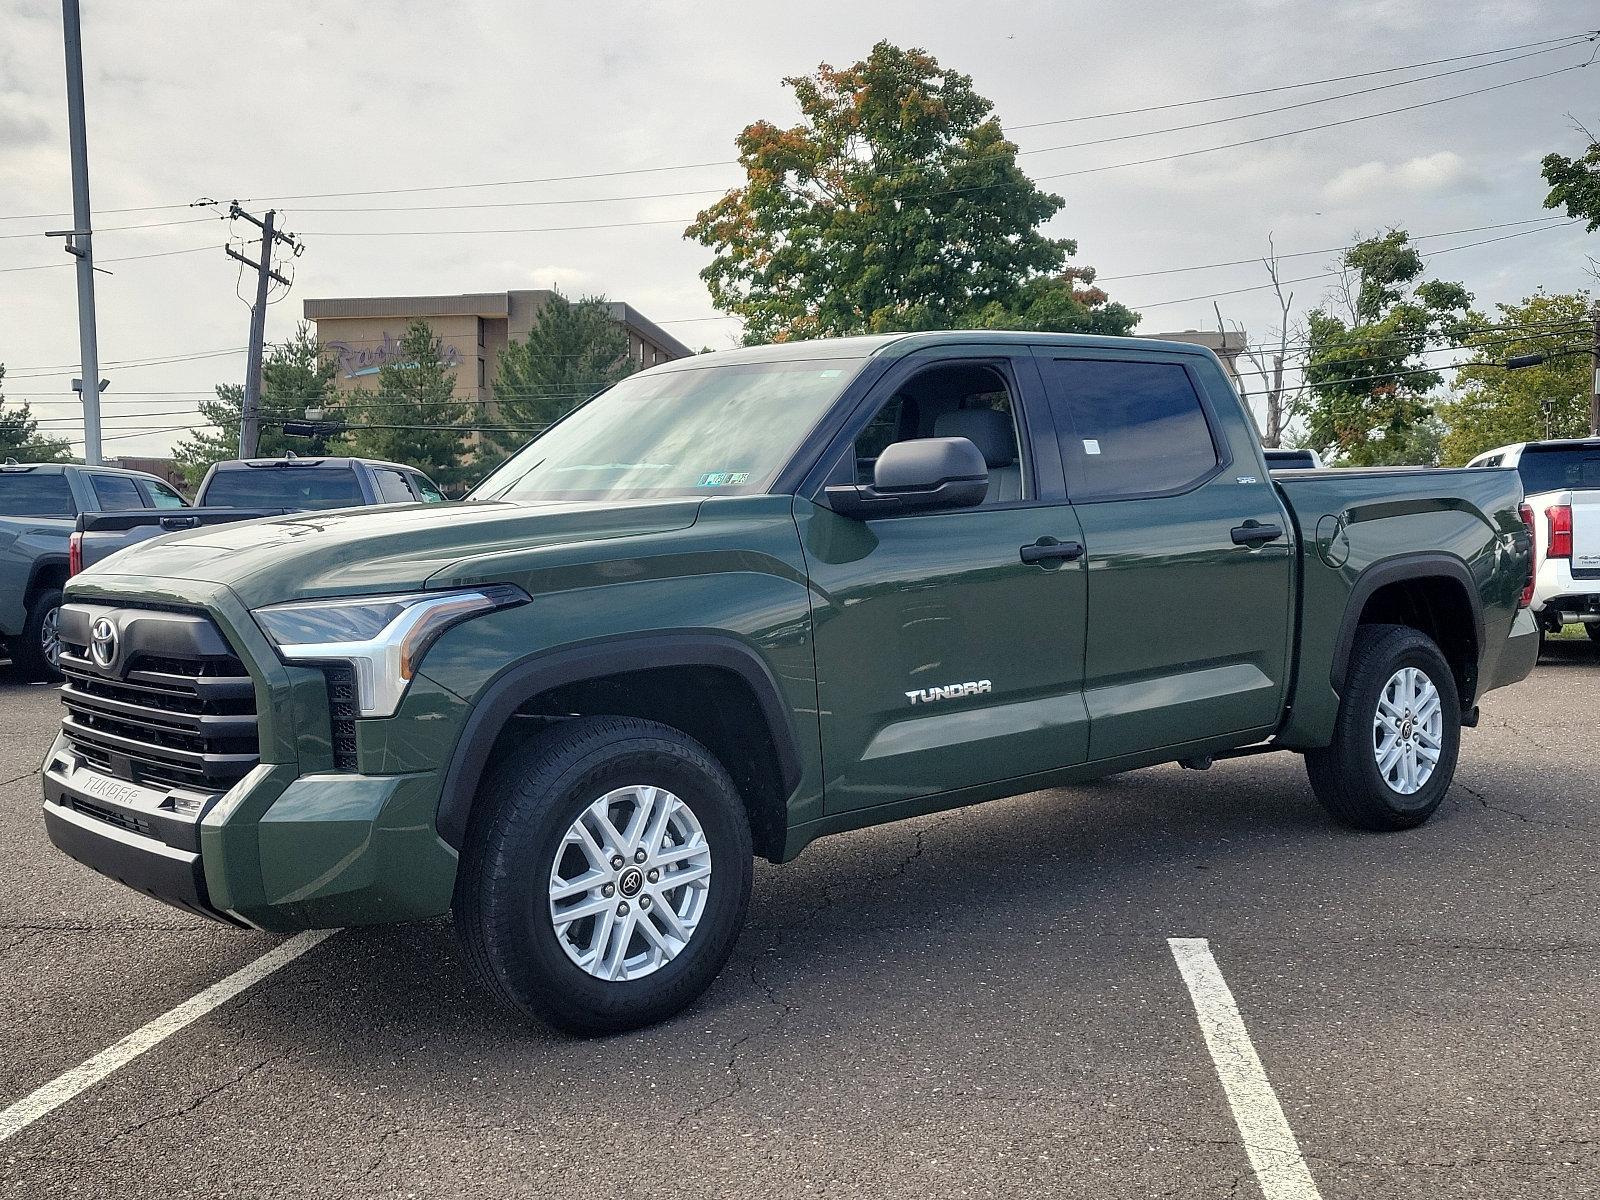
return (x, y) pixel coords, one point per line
(80, 238)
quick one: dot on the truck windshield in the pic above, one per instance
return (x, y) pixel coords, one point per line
(705, 431)
(302, 488)
(1556, 468)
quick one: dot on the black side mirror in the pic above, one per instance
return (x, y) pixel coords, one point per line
(916, 476)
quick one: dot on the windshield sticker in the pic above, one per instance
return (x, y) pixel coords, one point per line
(829, 374)
(1091, 446)
(724, 479)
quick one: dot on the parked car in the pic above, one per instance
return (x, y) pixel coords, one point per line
(1292, 460)
(743, 600)
(244, 489)
(39, 503)
(1561, 479)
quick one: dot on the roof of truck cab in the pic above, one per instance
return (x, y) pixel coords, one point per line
(896, 344)
(63, 468)
(332, 461)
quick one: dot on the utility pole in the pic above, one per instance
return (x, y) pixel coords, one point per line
(1594, 375)
(250, 411)
(79, 237)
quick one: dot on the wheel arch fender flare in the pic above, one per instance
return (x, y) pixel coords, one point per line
(1399, 569)
(522, 681)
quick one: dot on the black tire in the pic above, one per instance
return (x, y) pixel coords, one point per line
(1592, 628)
(1345, 775)
(28, 652)
(519, 820)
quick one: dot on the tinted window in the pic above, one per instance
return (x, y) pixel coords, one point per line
(31, 494)
(159, 495)
(116, 493)
(1127, 428)
(425, 489)
(284, 487)
(392, 487)
(1558, 468)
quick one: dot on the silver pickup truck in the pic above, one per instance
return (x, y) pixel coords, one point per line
(40, 504)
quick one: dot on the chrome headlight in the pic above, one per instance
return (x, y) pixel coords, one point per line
(383, 638)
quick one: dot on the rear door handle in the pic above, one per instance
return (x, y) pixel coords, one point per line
(1048, 549)
(1254, 533)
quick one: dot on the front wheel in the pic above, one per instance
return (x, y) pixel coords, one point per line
(606, 875)
(1396, 736)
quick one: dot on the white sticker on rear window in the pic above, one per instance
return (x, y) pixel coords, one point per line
(1091, 446)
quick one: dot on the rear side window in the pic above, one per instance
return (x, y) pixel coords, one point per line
(30, 494)
(1129, 428)
(392, 488)
(301, 488)
(116, 493)
(1559, 468)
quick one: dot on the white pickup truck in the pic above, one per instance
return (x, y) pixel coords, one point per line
(1561, 483)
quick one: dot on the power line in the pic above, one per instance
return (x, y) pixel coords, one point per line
(1284, 87)
(1129, 137)
(123, 258)
(1389, 112)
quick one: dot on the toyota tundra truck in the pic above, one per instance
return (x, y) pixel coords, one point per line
(744, 600)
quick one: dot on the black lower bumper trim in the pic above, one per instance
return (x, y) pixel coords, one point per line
(142, 863)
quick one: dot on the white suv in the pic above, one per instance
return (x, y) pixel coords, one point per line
(1561, 482)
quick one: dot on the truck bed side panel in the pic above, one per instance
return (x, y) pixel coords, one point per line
(1358, 526)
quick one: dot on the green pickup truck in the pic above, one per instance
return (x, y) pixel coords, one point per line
(741, 601)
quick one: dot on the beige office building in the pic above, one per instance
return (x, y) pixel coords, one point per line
(362, 334)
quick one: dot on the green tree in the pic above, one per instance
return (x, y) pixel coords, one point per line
(1495, 407)
(414, 416)
(20, 437)
(295, 375)
(1575, 183)
(895, 204)
(572, 351)
(1366, 370)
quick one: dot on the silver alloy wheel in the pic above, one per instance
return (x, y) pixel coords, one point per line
(630, 882)
(1408, 730)
(50, 636)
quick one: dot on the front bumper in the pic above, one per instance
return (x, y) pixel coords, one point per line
(291, 844)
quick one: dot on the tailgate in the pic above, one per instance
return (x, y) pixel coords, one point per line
(1586, 534)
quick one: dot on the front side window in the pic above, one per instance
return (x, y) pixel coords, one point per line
(35, 494)
(703, 431)
(392, 487)
(116, 493)
(426, 489)
(956, 399)
(1129, 428)
(159, 495)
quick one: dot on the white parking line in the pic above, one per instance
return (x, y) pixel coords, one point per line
(58, 1091)
(1280, 1168)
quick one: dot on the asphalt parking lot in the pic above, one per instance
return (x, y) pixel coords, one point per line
(982, 1003)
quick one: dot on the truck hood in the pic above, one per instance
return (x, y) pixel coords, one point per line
(383, 549)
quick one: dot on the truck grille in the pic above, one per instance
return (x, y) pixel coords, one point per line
(174, 707)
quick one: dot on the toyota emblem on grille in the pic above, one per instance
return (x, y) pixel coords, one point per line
(103, 645)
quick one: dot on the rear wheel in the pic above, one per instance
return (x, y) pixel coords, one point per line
(606, 875)
(1396, 736)
(1592, 628)
(37, 650)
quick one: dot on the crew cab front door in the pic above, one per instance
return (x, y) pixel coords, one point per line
(944, 660)
(1188, 548)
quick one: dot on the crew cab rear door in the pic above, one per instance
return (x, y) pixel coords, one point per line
(946, 657)
(1188, 546)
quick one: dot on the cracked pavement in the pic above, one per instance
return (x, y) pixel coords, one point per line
(979, 1003)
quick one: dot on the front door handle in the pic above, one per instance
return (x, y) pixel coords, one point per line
(1048, 549)
(1254, 533)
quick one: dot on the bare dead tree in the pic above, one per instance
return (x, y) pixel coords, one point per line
(1282, 402)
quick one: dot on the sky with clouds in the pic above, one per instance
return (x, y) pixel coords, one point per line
(275, 103)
